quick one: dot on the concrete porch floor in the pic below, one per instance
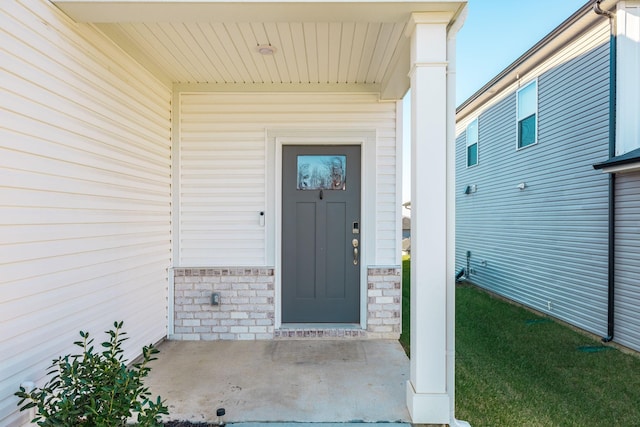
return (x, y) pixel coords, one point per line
(282, 380)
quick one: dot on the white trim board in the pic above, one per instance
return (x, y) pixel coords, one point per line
(367, 140)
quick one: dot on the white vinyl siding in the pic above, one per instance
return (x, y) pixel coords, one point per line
(84, 194)
(223, 168)
(628, 83)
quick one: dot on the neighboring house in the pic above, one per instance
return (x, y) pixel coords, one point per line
(406, 235)
(160, 156)
(406, 246)
(406, 227)
(542, 224)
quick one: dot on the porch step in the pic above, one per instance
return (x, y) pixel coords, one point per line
(311, 332)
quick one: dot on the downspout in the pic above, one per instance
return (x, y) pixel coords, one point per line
(612, 176)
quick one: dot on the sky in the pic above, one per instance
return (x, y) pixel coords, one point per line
(495, 33)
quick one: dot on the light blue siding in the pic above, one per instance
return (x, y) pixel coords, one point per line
(544, 246)
(627, 272)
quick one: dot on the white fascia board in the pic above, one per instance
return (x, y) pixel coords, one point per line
(122, 11)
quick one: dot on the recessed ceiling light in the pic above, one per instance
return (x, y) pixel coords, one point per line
(265, 49)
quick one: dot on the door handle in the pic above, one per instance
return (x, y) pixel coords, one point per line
(354, 243)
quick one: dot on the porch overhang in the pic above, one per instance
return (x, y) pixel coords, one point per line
(320, 46)
(380, 47)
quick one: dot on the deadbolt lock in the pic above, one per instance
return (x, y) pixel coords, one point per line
(354, 242)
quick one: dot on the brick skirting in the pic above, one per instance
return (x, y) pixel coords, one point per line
(247, 310)
(384, 302)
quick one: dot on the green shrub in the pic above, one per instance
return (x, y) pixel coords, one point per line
(96, 388)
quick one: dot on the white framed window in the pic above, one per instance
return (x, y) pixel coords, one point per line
(472, 143)
(527, 114)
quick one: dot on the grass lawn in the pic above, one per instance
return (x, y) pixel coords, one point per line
(515, 368)
(406, 292)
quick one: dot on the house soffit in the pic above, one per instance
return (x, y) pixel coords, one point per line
(317, 46)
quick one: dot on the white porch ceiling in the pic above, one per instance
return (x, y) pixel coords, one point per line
(318, 45)
(306, 52)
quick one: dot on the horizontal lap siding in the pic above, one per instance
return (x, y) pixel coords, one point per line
(223, 167)
(387, 249)
(547, 243)
(84, 194)
(627, 271)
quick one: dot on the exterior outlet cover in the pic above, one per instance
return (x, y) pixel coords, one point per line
(215, 298)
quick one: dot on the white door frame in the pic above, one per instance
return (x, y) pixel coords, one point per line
(367, 142)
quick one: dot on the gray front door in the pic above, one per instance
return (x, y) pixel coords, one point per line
(321, 234)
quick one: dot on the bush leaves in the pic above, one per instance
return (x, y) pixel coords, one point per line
(96, 389)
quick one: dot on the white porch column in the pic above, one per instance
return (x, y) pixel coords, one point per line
(430, 390)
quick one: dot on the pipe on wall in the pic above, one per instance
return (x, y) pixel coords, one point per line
(612, 176)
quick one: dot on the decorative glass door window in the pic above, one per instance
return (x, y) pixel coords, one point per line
(322, 172)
